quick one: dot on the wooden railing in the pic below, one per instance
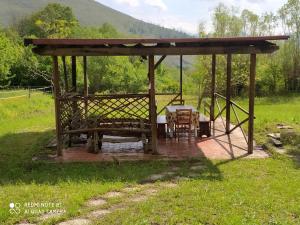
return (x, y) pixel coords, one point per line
(174, 98)
(103, 112)
(220, 110)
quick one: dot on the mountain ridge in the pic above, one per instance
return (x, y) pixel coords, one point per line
(89, 13)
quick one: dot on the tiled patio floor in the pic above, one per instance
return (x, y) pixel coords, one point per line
(219, 146)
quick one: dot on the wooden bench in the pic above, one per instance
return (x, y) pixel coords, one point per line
(161, 126)
(204, 126)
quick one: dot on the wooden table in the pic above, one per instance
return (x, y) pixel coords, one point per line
(171, 117)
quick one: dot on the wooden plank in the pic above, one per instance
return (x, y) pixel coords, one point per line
(251, 103)
(85, 85)
(228, 92)
(134, 51)
(120, 41)
(213, 88)
(55, 78)
(108, 129)
(65, 73)
(159, 62)
(153, 115)
(74, 74)
(181, 71)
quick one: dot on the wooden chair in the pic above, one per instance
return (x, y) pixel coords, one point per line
(183, 123)
(178, 102)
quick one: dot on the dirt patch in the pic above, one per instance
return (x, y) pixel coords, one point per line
(131, 189)
(139, 198)
(96, 202)
(49, 216)
(78, 221)
(113, 194)
(99, 213)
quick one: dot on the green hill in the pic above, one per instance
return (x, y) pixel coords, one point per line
(90, 13)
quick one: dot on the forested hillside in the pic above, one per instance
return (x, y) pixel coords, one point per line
(276, 73)
(88, 13)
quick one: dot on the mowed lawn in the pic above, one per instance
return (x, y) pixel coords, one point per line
(264, 191)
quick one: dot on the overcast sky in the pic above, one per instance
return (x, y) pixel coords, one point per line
(185, 15)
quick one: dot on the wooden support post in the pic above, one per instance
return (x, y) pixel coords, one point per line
(65, 73)
(228, 93)
(181, 79)
(213, 88)
(251, 102)
(159, 62)
(74, 74)
(85, 84)
(55, 79)
(152, 105)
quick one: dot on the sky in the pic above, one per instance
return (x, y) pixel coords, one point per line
(185, 15)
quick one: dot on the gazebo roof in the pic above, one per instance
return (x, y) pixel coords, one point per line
(154, 46)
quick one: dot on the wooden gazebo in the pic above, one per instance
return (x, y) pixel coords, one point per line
(136, 114)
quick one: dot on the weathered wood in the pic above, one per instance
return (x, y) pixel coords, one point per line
(251, 103)
(233, 103)
(159, 62)
(276, 142)
(55, 78)
(161, 126)
(213, 88)
(123, 51)
(180, 80)
(127, 41)
(85, 85)
(74, 74)
(228, 92)
(169, 103)
(108, 129)
(153, 115)
(239, 122)
(65, 74)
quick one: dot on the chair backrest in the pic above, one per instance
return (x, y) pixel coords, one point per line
(183, 116)
(178, 102)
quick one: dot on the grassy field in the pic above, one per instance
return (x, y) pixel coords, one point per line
(262, 191)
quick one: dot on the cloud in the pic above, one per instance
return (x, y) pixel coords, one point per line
(136, 3)
(157, 3)
(132, 3)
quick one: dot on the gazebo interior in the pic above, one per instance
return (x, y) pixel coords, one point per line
(119, 122)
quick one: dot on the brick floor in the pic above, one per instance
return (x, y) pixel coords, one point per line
(219, 146)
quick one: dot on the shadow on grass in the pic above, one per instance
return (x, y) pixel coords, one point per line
(295, 154)
(16, 165)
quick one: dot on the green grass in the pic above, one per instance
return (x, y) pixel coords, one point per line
(262, 191)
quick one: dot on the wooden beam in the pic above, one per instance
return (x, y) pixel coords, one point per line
(85, 85)
(152, 105)
(127, 41)
(117, 51)
(213, 88)
(74, 74)
(251, 102)
(181, 71)
(65, 74)
(159, 62)
(55, 79)
(228, 92)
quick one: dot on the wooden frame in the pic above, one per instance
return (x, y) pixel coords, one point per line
(150, 48)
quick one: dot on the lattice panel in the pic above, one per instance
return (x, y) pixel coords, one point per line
(103, 111)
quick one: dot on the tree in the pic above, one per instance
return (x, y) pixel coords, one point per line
(10, 53)
(54, 21)
(290, 17)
